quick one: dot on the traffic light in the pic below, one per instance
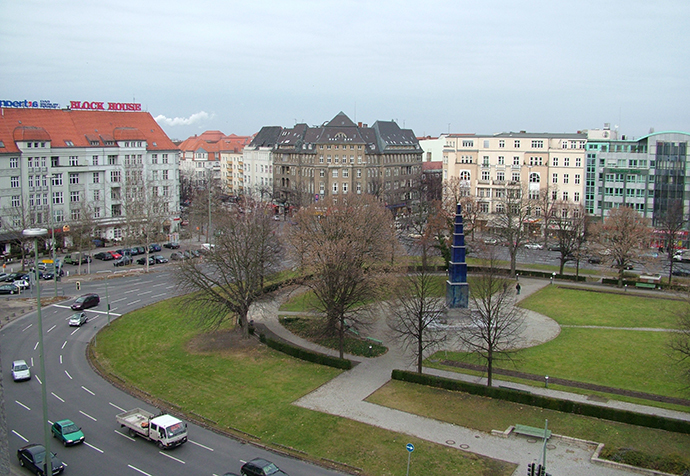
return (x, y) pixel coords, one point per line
(530, 469)
(78, 285)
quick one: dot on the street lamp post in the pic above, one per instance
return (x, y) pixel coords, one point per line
(52, 234)
(48, 464)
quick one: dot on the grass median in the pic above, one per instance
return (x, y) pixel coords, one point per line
(246, 386)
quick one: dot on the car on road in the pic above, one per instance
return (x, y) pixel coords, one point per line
(22, 284)
(114, 254)
(32, 457)
(20, 371)
(490, 241)
(86, 301)
(534, 246)
(171, 245)
(103, 256)
(78, 318)
(555, 247)
(8, 289)
(261, 467)
(594, 260)
(680, 271)
(123, 261)
(142, 260)
(67, 432)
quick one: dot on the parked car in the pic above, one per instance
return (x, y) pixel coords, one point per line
(67, 432)
(8, 289)
(32, 456)
(103, 256)
(153, 247)
(534, 246)
(98, 243)
(78, 318)
(176, 256)
(160, 259)
(141, 250)
(22, 284)
(85, 302)
(490, 241)
(114, 254)
(76, 258)
(261, 467)
(20, 371)
(123, 261)
(142, 260)
(126, 251)
(171, 245)
(594, 260)
(555, 247)
(12, 277)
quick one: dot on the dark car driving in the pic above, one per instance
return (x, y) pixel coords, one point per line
(261, 467)
(86, 301)
(33, 456)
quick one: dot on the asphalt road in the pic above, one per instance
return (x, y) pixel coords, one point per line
(77, 393)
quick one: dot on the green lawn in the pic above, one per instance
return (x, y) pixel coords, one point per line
(252, 389)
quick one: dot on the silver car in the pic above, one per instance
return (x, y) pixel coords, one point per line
(20, 371)
(78, 318)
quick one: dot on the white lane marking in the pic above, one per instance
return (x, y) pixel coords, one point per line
(130, 291)
(159, 284)
(53, 394)
(63, 345)
(172, 457)
(20, 436)
(159, 295)
(87, 390)
(60, 358)
(32, 361)
(133, 302)
(36, 346)
(67, 373)
(113, 405)
(22, 405)
(118, 300)
(50, 329)
(87, 415)
(171, 287)
(112, 310)
(124, 436)
(39, 379)
(137, 469)
(75, 330)
(27, 327)
(93, 447)
(199, 444)
(145, 292)
(92, 310)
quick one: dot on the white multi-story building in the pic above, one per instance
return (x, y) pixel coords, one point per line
(258, 163)
(56, 165)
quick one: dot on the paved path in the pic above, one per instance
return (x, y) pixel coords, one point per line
(345, 396)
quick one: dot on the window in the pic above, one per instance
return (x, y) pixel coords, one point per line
(115, 176)
(112, 160)
(485, 161)
(534, 177)
(468, 143)
(501, 159)
(359, 188)
(554, 162)
(335, 187)
(154, 158)
(465, 176)
(154, 175)
(335, 173)
(554, 178)
(537, 144)
(554, 194)
(500, 176)
(346, 174)
(565, 178)
(165, 158)
(15, 200)
(55, 161)
(75, 214)
(73, 160)
(58, 216)
(74, 197)
(501, 144)
(14, 162)
(114, 193)
(577, 179)
(345, 187)
(486, 175)
(96, 212)
(56, 180)
(31, 180)
(96, 177)
(566, 162)
(57, 198)
(516, 177)
(516, 160)
(73, 178)
(578, 162)
(96, 195)
(565, 196)
(116, 211)
(166, 191)
(165, 175)
(359, 173)
(14, 182)
(322, 173)
(516, 144)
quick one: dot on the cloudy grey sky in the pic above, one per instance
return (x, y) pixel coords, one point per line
(435, 66)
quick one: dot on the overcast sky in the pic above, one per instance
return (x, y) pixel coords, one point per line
(484, 66)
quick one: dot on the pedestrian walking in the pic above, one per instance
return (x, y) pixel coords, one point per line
(517, 288)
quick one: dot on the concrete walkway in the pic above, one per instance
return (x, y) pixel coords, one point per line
(345, 396)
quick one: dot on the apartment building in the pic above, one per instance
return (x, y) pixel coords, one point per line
(59, 165)
(257, 180)
(341, 158)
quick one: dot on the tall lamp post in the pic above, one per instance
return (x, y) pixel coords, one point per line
(35, 233)
(52, 235)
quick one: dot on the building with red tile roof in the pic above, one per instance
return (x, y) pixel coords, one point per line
(59, 167)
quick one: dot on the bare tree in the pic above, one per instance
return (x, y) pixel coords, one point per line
(416, 313)
(495, 322)
(623, 234)
(512, 210)
(548, 205)
(347, 242)
(680, 342)
(230, 277)
(81, 230)
(568, 221)
(671, 222)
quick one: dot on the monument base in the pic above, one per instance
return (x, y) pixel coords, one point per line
(457, 295)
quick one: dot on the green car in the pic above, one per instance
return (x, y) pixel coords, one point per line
(67, 432)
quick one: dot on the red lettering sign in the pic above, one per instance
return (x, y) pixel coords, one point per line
(100, 106)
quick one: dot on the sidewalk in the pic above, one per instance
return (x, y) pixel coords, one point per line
(345, 396)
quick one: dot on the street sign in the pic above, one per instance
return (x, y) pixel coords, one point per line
(410, 447)
(46, 261)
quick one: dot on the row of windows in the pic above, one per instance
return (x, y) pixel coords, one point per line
(533, 177)
(74, 160)
(534, 144)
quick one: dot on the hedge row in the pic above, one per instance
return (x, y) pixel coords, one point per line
(566, 406)
(305, 354)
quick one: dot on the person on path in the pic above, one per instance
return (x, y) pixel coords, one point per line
(517, 288)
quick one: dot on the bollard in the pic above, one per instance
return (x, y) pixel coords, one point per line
(546, 381)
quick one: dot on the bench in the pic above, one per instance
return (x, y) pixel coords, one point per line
(645, 285)
(378, 341)
(532, 431)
